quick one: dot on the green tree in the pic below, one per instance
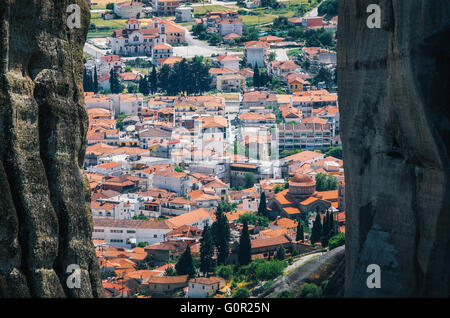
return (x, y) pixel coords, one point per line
(185, 265)
(262, 208)
(249, 180)
(110, 6)
(206, 251)
(170, 271)
(153, 81)
(310, 291)
(95, 84)
(224, 271)
(336, 241)
(114, 81)
(253, 219)
(256, 76)
(281, 253)
(245, 246)
(268, 270)
(144, 88)
(286, 294)
(142, 244)
(221, 236)
(316, 230)
(300, 236)
(241, 292)
(335, 152)
(87, 81)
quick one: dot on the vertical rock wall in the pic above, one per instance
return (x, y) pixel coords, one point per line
(45, 220)
(394, 100)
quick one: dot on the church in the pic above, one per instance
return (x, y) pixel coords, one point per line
(302, 199)
(137, 41)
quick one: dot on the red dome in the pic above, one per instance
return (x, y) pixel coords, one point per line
(303, 179)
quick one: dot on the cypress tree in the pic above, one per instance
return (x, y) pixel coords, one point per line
(256, 77)
(95, 84)
(221, 230)
(144, 86)
(281, 253)
(116, 87)
(245, 246)
(262, 208)
(300, 234)
(185, 265)
(153, 82)
(206, 251)
(316, 230)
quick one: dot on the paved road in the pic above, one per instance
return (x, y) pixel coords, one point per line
(94, 51)
(198, 47)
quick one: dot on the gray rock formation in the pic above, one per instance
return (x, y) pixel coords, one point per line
(44, 203)
(394, 100)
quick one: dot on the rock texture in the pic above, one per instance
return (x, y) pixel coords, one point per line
(44, 203)
(393, 95)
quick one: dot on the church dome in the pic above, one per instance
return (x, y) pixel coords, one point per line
(302, 179)
(302, 186)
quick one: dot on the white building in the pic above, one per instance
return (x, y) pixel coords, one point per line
(255, 53)
(107, 169)
(137, 41)
(160, 51)
(230, 25)
(129, 233)
(228, 61)
(178, 182)
(202, 287)
(184, 14)
(129, 9)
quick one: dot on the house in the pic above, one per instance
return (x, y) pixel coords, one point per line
(198, 218)
(168, 61)
(299, 159)
(178, 182)
(218, 187)
(161, 253)
(202, 287)
(129, 9)
(258, 99)
(203, 200)
(175, 34)
(317, 55)
(297, 84)
(129, 233)
(165, 7)
(230, 26)
(107, 169)
(228, 61)
(255, 53)
(278, 68)
(184, 14)
(271, 39)
(166, 285)
(231, 37)
(161, 51)
(257, 120)
(110, 62)
(230, 83)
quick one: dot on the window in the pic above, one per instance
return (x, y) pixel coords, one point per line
(155, 236)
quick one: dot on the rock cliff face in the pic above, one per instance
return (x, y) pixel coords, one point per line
(393, 95)
(44, 202)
